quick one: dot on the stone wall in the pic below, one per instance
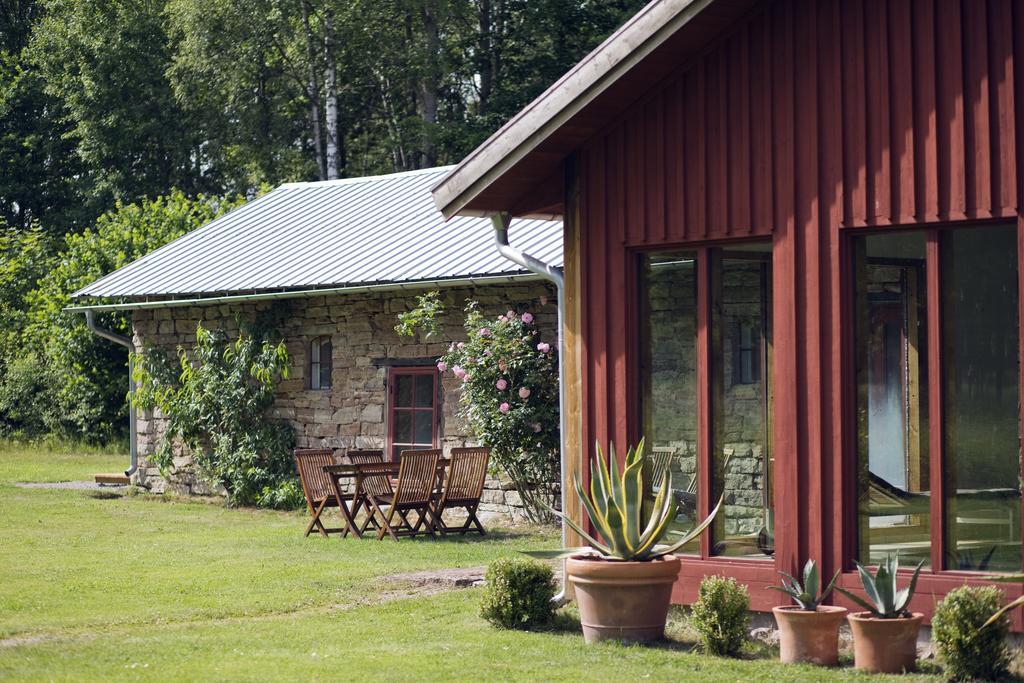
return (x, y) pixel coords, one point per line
(351, 414)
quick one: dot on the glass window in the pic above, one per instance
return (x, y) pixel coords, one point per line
(668, 305)
(320, 363)
(982, 384)
(741, 448)
(892, 401)
(411, 406)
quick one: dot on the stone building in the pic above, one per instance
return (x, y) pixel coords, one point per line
(337, 262)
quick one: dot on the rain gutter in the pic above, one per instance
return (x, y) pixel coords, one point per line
(305, 293)
(133, 430)
(553, 274)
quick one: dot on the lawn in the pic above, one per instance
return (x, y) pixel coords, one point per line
(99, 588)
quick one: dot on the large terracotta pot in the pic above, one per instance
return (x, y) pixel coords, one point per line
(885, 645)
(809, 637)
(623, 600)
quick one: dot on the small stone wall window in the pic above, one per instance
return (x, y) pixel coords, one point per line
(320, 363)
(746, 349)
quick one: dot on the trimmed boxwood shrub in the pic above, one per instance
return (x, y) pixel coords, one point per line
(969, 651)
(519, 595)
(721, 615)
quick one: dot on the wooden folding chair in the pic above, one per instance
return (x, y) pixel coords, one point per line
(316, 485)
(462, 489)
(417, 479)
(380, 484)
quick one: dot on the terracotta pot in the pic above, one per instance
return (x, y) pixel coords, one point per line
(623, 600)
(809, 637)
(885, 645)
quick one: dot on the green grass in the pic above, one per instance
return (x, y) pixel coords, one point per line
(93, 588)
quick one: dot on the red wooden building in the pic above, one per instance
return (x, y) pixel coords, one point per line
(792, 244)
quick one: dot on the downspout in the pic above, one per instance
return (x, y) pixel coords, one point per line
(554, 275)
(90, 321)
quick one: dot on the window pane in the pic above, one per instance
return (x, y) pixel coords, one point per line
(403, 426)
(403, 390)
(424, 427)
(668, 301)
(892, 401)
(325, 365)
(981, 373)
(741, 344)
(424, 391)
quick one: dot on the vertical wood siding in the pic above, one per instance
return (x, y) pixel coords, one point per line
(807, 118)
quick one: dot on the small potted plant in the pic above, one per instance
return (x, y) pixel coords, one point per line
(808, 630)
(885, 635)
(624, 584)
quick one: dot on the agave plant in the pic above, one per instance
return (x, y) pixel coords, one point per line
(615, 507)
(887, 601)
(806, 594)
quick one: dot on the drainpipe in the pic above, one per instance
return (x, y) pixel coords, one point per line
(554, 275)
(90, 321)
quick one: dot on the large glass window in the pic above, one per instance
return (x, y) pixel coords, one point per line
(735, 285)
(668, 286)
(982, 385)
(892, 415)
(975, 380)
(740, 357)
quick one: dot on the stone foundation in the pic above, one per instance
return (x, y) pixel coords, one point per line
(352, 413)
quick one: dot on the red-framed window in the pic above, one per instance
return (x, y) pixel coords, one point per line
(704, 354)
(936, 372)
(413, 419)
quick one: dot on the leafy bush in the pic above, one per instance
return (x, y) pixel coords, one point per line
(86, 377)
(721, 615)
(519, 595)
(969, 651)
(509, 397)
(286, 495)
(216, 406)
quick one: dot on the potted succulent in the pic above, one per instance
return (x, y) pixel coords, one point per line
(624, 583)
(808, 630)
(885, 635)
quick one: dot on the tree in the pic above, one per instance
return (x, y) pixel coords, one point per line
(90, 374)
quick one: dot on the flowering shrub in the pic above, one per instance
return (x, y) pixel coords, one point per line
(509, 396)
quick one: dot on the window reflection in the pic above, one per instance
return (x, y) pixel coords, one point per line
(892, 406)
(982, 386)
(668, 300)
(741, 448)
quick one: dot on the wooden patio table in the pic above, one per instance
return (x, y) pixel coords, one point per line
(358, 473)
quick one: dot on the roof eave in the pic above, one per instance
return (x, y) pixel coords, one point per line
(626, 48)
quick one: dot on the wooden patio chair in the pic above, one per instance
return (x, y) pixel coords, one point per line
(417, 480)
(316, 485)
(462, 488)
(380, 484)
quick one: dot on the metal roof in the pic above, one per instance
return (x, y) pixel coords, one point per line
(359, 231)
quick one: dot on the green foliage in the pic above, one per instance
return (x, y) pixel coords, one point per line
(615, 506)
(806, 594)
(519, 595)
(423, 318)
(86, 377)
(509, 397)
(217, 407)
(721, 615)
(888, 601)
(970, 650)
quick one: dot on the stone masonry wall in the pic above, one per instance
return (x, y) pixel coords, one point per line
(351, 414)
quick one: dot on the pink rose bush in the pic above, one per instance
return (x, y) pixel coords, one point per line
(506, 353)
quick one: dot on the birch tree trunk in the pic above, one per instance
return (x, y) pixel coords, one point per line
(331, 105)
(313, 92)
